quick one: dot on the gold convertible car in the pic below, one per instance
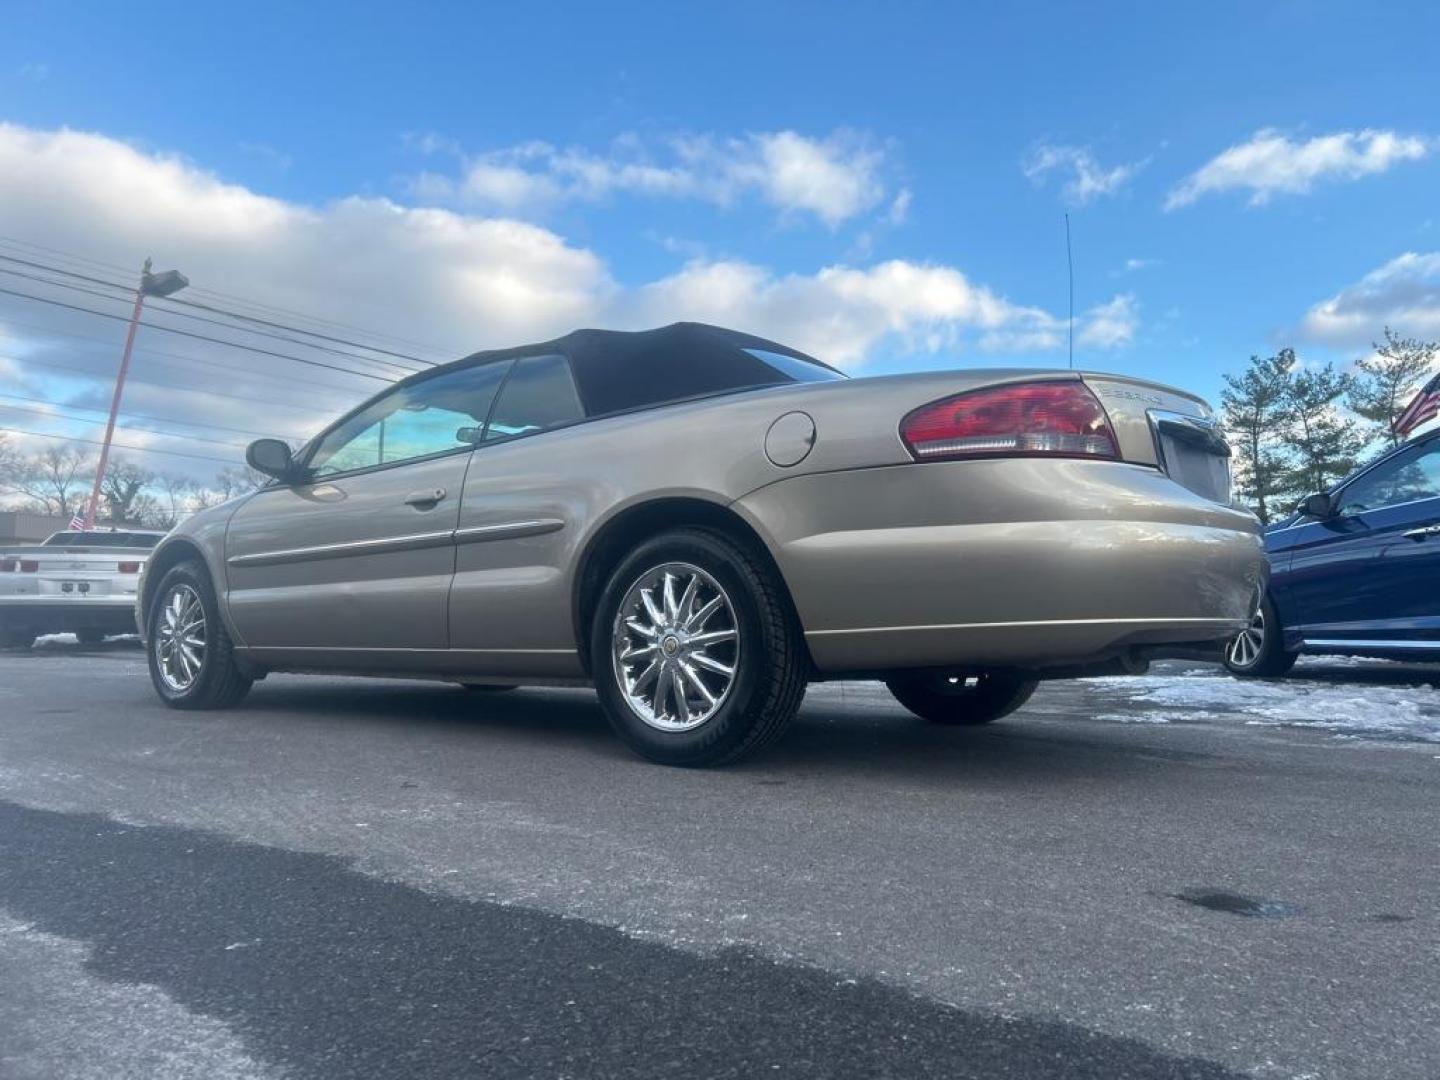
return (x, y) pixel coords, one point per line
(698, 523)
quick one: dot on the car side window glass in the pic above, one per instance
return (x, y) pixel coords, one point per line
(1408, 479)
(539, 394)
(435, 415)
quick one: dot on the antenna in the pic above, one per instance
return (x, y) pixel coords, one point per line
(1070, 262)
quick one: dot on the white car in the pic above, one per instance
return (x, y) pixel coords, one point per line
(78, 582)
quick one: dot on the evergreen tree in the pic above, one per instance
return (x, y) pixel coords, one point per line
(1257, 413)
(1325, 443)
(1385, 383)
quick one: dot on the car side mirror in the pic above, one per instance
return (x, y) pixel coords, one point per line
(472, 435)
(1319, 506)
(271, 457)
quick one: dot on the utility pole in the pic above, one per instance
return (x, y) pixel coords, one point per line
(162, 284)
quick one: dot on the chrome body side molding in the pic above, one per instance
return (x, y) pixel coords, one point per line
(474, 534)
(507, 530)
(348, 549)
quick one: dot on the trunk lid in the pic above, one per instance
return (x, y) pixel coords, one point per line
(1168, 428)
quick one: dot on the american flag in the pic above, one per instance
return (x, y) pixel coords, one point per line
(77, 523)
(1426, 406)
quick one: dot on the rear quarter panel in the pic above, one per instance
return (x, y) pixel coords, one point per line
(518, 594)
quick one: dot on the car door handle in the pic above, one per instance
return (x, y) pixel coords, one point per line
(1423, 533)
(425, 500)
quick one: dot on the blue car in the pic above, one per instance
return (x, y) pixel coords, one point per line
(1356, 571)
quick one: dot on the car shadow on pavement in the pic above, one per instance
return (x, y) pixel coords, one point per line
(539, 713)
(860, 738)
(324, 971)
(1012, 752)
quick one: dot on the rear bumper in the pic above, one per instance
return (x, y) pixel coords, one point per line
(1007, 562)
(48, 615)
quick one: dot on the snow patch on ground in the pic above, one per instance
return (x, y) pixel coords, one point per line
(1357, 710)
(51, 641)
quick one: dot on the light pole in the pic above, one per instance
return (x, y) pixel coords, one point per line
(162, 284)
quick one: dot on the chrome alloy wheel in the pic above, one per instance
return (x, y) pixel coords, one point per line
(1245, 649)
(675, 645)
(180, 638)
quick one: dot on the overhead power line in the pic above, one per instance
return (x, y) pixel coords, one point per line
(199, 337)
(56, 413)
(28, 248)
(178, 359)
(125, 299)
(141, 416)
(120, 446)
(230, 314)
(97, 377)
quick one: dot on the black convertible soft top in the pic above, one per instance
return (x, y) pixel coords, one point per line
(618, 370)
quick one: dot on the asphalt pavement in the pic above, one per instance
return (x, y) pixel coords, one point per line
(347, 878)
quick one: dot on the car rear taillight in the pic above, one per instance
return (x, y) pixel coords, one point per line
(1054, 419)
(8, 566)
(29, 566)
(129, 568)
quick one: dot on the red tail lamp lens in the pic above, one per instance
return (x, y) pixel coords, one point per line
(29, 566)
(1049, 419)
(7, 566)
(129, 568)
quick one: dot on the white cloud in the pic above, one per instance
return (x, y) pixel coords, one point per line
(1134, 265)
(1087, 178)
(1404, 294)
(458, 280)
(846, 315)
(900, 207)
(459, 276)
(842, 314)
(1271, 163)
(833, 179)
(1110, 325)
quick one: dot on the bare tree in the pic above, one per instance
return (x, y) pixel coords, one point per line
(125, 495)
(54, 481)
(9, 463)
(175, 500)
(228, 484)
(1383, 384)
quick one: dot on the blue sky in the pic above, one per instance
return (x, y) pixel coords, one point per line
(883, 181)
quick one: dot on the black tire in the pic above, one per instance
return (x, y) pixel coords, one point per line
(769, 665)
(89, 636)
(17, 637)
(486, 688)
(220, 683)
(960, 701)
(1259, 652)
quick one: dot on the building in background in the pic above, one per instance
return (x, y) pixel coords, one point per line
(19, 527)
